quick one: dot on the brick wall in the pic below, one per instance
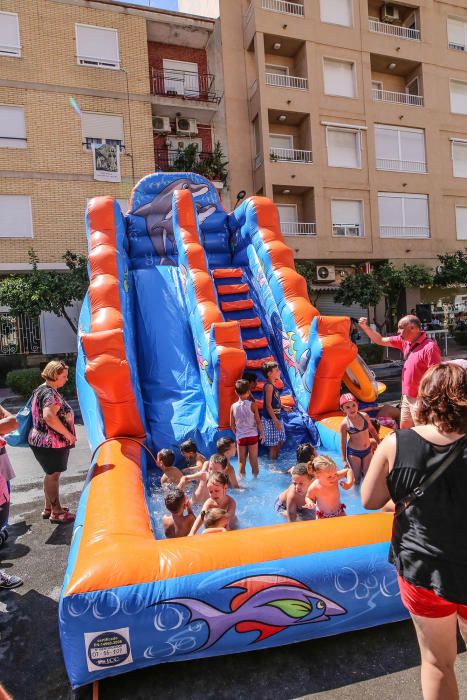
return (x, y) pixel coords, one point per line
(204, 134)
(157, 52)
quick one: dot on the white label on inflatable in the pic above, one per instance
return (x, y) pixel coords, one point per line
(107, 649)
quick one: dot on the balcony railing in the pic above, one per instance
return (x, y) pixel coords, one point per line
(298, 228)
(403, 98)
(374, 25)
(457, 47)
(404, 232)
(347, 230)
(184, 84)
(292, 155)
(403, 166)
(286, 81)
(168, 159)
(19, 334)
(286, 8)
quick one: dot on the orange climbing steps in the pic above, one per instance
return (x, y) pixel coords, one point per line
(255, 343)
(232, 289)
(257, 364)
(226, 273)
(237, 305)
(249, 322)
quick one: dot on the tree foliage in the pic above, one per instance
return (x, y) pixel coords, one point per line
(46, 290)
(452, 268)
(385, 282)
(307, 269)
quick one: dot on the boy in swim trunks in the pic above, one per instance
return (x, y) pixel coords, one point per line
(323, 496)
(245, 423)
(194, 460)
(291, 502)
(227, 448)
(165, 461)
(177, 524)
(356, 429)
(272, 408)
(215, 520)
(218, 498)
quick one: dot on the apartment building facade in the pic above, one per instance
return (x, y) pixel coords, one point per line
(75, 73)
(352, 116)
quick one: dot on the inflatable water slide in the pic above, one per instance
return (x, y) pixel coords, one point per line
(183, 298)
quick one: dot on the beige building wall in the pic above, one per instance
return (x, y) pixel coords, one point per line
(251, 29)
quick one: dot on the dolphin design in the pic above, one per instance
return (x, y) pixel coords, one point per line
(158, 215)
(267, 604)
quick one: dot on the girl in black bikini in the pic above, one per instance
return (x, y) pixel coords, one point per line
(356, 451)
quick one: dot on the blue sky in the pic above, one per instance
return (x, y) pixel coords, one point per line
(163, 4)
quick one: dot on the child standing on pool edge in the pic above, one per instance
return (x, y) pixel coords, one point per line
(272, 408)
(246, 424)
(356, 452)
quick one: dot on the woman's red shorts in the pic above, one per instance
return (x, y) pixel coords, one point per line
(426, 603)
(248, 440)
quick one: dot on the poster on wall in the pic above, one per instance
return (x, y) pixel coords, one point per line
(106, 161)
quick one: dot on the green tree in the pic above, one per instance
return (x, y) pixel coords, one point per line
(385, 282)
(307, 269)
(46, 290)
(452, 268)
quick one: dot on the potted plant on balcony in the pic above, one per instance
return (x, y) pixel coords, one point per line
(214, 167)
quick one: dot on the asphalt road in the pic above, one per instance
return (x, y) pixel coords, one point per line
(378, 663)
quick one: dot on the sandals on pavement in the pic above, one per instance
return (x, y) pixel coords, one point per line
(47, 512)
(60, 518)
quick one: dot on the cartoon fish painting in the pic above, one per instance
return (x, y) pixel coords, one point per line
(290, 354)
(266, 604)
(158, 215)
(202, 363)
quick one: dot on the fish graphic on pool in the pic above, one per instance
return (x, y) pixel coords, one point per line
(266, 604)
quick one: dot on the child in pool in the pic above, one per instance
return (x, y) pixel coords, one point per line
(357, 427)
(216, 463)
(272, 408)
(226, 446)
(177, 524)
(215, 520)
(218, 498)
(252, 380)
(165, 460)
(305, 453)
(291, 502)
(323, 492)
(245, 424)
(194, 460)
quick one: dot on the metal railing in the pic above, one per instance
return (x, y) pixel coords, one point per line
(98, 62)
(347, 230)
(293, 155)
(374, 25)
(403, 98)
(166, 159)
(404, 232)
(184, 84)
(286, 8)
(19, 334)
(407, 166)
(457, 47)
(258, 160)
(287, 81)
(298, 228)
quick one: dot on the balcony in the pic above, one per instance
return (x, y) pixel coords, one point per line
(285, 8)
(402, 98)
(404, 232)
(184, 85)
(347, 230)
(374, 25)
(298, 228)
(286, 81)
(291, 155)
(207, 163)
(403, 166)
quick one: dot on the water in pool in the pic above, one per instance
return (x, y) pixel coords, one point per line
(255, 498)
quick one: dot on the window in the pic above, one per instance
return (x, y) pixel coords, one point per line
(457, 34)
(339, 78)
(281, 146)
(277, 70)
(400, 149)
(413, 86)
(459, 158)
(336, 12)
(12, 127)
(461, 223)
(347, 219)
(403, 215)
(287, 213)
(181, 78)
(101, 128)
(15, 216)
(9, 34)
(343, 148)
(458, 97)
(97, 46)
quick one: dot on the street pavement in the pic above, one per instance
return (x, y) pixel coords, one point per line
(378, 663)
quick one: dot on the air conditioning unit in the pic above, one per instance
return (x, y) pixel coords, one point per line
(325, 273)
(390, 13)
(186, 126)
(161, 125)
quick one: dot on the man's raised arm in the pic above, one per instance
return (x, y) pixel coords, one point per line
(374, 335)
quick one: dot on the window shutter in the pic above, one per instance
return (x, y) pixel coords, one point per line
(339, 78)
(346, 212)
(287, 213)
(456, 31)
(12, 127)
(461, 223)
(9, 34)
(459, 159)
(386, 143)
(102, 126)
(343, 148)
(15, 216)
(458, 97)
(181, 77)
(415, 210)
(336, 12)
(97, 45)
(280, 141)
(390, 210)
(412, 145)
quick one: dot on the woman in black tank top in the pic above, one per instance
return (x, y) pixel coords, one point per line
(429, 543)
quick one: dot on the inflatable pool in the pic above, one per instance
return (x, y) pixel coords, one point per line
(183, 297)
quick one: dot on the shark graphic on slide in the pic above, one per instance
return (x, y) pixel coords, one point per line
(158, 215)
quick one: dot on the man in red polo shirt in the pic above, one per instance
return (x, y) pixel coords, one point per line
(420, 353)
